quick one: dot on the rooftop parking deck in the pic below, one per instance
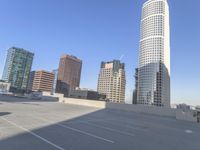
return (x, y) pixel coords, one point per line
(49, 125)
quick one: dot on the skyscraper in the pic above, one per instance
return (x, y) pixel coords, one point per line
(136, 87)
(55, 72)
(30, 81)
(69, 74)
(43, 81)
(17, 68)
(112, 81)
(154, 57)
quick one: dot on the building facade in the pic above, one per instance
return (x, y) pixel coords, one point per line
(69, 74)
(87, 94)
(4, 87)
(184, 107)
(55, 72)
(112, 81)
(30, 81)
(43, 81)
(136, 87)
(17, 68)
(154, 55)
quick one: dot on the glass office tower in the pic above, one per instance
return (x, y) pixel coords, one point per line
(17, 68)
(154, 55)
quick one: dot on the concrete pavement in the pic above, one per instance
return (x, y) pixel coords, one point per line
(49, 125)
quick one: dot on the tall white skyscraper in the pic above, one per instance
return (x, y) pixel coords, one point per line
(154, 56)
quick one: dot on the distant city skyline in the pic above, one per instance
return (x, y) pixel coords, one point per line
(98, 31)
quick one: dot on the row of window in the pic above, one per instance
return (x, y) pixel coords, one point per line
(152, 26)
(156, 7)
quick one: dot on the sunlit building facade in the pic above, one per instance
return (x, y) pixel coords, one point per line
(69, 74)
(30, 81)
(154, 55)
(112, 81)
(43, 81)
(55, 72)
(17, 68)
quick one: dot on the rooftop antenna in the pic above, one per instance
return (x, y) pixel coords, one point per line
(121, 57)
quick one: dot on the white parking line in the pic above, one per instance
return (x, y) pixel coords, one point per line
(76, 130)
(117, 123)
(109, 129)
(86, 133)
(32, 133)
(188, 131)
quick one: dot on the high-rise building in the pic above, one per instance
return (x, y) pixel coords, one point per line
(55, 72)
(112, 81)
(136, 87)
(43, 81)
(17, 68)
(30, 81)
(154, 57)
(69, 74)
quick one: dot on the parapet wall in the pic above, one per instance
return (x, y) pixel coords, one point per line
(153, 110)
(168, 112)
(186, 116)
(57, 95)
(90, 103)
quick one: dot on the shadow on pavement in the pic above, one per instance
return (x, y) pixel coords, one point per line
(4, 113)
(100, 130)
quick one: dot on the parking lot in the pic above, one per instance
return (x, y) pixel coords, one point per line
(49, 125)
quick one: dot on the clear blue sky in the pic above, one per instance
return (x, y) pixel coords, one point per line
(101, 30)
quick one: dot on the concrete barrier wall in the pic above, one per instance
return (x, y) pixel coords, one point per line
(49, 98)
(82, 102)
(127, 107)
(143, 109)
(46, 94)
(186, 116)
(160, 111)
(61, 96)
(57, 95)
